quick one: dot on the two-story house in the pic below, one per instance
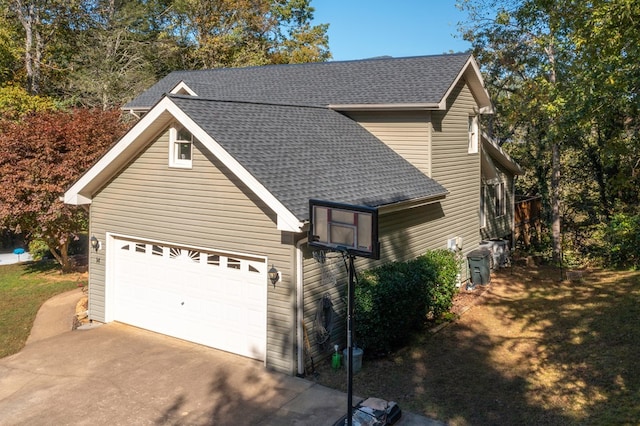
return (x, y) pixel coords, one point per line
(209, 190)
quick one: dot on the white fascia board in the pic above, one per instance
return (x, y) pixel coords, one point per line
(385, 107)
(182, 87)
(80, 191)
(158, 117)
(405, 205)
(496, 152)
(471, 71)
(287, 221)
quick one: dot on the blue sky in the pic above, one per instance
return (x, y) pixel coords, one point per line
(367, 28)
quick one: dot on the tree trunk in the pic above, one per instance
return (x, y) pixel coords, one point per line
(29, 18)
(556, 233)
(555, 202)
(61, 254)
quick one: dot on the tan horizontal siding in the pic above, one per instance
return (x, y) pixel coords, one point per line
(407, 234)
(406, 132)
(204, 207)
(457, 170)
(314, 290)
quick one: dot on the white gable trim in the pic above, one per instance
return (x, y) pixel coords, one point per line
(286, 220)
(182, 88)
(149, 126)
(498, 154)
(471, 72)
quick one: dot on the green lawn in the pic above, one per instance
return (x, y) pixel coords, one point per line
(23, 289)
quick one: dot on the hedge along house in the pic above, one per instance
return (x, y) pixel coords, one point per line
(209, 190)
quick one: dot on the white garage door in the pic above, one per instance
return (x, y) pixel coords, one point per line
(207, 297)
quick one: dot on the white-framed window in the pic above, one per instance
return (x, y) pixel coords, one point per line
(501, 204)
(180, 147)
(483, 212)
(474, 134)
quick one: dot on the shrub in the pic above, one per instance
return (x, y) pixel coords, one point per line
(442, 287)
(621, 241)
(38, 249)
(393, 300)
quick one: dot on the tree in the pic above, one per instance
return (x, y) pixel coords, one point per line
(42, 21)
(121, 48)
(522, 47)
(40, 157)
(15, 102)
(250, 32)
(564, 76)
(10, 50)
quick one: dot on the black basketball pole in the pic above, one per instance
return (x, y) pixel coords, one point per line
(351, 299)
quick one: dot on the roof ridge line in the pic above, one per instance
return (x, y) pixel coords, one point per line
(231, 101)
(320, 63)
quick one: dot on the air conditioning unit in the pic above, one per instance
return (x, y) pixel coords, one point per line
(499, 252)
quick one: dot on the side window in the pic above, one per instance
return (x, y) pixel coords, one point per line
(474, 134)
(180, 147)
(501, 205)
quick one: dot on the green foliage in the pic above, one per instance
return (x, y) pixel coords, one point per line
(101, 53)
(620, 239)
(250, 32)
(440, 293)
(564, 78)
(393, 300)
(15, 102)
(38, 249)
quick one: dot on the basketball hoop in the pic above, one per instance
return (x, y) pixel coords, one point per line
(345, 228)
(352, 231)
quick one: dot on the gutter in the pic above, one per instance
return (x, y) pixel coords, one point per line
(403, 205)
(300, 305)
(387, 107)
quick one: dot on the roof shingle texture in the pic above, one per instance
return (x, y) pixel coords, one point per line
(414, 80)
(299, 153)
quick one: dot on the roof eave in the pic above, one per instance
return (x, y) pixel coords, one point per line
(410, 204)
(500, 155)
(387, 107)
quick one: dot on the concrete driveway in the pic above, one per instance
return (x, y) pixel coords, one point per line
(115, 374)
(120, 375)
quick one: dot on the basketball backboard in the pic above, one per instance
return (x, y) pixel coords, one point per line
(344, 227)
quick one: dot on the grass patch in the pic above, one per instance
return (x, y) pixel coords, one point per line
(537, 350)
(23, 289)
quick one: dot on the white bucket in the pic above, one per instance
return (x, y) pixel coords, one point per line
(357, 358)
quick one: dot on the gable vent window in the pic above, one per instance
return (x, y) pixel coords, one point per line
(180, 147)
(474, 134)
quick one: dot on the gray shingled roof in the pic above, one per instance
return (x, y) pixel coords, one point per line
(299, 153)
(421, 80)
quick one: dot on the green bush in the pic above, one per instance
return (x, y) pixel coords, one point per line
(442, 288)
(38, 249)
(622, 241)
(393, 300)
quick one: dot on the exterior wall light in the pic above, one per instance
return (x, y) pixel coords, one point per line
(274, 275)
(95, 244)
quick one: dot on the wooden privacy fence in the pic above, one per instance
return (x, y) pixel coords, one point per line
(528, 220)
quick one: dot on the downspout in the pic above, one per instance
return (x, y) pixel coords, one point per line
(300, 304)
